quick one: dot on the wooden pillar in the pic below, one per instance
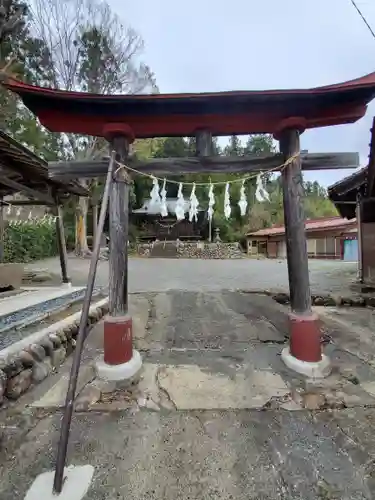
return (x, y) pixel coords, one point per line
(118, 339)
(294, 218)
(94, 221)
(118, 233)
(203, 143)
(2, 230)
(61, 244)
(359, 238)
(305, 346)
(204, 148)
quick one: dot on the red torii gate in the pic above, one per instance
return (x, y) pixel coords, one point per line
(283, 113)
(120, 119)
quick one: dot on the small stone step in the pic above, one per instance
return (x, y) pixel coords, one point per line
(164, 249)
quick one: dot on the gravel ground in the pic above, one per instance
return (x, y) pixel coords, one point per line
(152, 275)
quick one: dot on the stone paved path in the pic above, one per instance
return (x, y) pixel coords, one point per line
(207, 443)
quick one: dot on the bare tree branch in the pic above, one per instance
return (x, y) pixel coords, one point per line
(91, 50)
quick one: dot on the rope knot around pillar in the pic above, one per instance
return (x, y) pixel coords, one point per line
(121, 174)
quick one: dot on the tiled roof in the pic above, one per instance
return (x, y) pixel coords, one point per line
(30, 170)
(311, 225)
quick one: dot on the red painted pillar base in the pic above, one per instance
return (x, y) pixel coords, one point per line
(118, 339)
(305, 342)
(120, 363)
(304, 354)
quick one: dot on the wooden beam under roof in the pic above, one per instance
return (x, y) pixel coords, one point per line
(198, 165)
(21, 187)
(23, 203)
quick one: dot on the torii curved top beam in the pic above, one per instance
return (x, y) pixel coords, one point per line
(223, 113)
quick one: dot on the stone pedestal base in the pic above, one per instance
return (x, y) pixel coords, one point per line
(320, 369)
(304, 355)
(124, 372)
(120, 363)
(76, 484)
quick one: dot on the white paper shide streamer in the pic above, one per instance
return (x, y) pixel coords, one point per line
(194, 204)
(211, 202)
(180, 204)
(163, 200)
(261, 194)
(242, 203)
(154, 206)
(227, 207)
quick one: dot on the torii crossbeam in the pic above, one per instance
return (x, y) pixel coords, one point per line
(64, 170)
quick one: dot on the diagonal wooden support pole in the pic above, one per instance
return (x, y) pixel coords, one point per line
(82, 332)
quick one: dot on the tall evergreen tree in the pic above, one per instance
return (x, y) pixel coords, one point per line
(27, 57)
(234, 147)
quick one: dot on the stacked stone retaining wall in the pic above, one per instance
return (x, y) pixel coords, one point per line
(199, 250)
(34, 362)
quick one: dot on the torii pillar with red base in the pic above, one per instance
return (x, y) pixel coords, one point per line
(304, 354)
(121, 363)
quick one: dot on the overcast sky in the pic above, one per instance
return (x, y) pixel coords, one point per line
(213, 45)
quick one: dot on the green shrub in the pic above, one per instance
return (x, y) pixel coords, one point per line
(29, 240)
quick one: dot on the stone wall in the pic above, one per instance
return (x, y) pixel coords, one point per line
(143, 249)
(35, 362)
(199, 250)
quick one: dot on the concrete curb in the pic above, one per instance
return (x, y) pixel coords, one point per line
(326, 300)
(33, 318)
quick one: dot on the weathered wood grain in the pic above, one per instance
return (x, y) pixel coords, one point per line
(5, 181)
(371, 163)
(1, 232)
(204, 149)
(293, 194)
(118, 233)
(24, 203)
(203, 143)
(203, 164)
(61, 244)
(94, 220)
(358, 211)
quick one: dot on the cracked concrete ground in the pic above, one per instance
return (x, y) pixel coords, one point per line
(208, 455)
(211, 416)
